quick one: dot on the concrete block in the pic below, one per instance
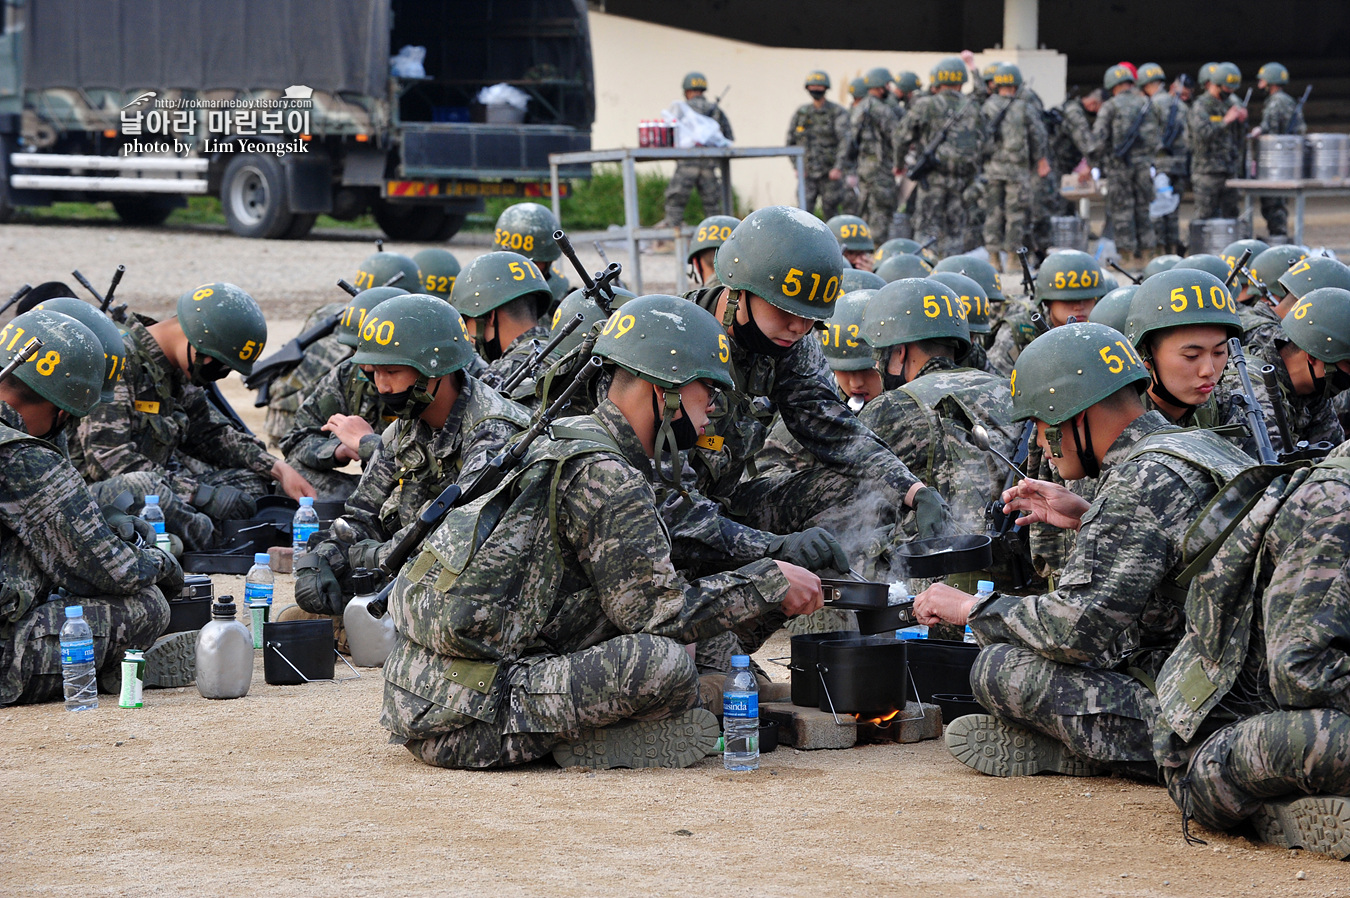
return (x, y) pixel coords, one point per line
(281, 559)
(810, 729)
(927, 725)
(775, 692)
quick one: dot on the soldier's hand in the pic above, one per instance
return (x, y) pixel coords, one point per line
(813, 549)
(1043, 502)
(224, 503)
(348, 429)
(126, 525)
(968, 58)
(941, 603)
(365, 553)
(804, 594)
(170, 581)
(930, 512)
(316, 586)
(1042, 167)
(292, 482)
(835, 174)
(851, 181)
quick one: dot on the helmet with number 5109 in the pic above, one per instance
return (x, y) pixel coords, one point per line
(667, 341)
(785, 256)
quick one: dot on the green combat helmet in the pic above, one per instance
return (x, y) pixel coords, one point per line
(1180, 297)
(528, 228)
(1007, 75)
(903, 266)
(950, 70)
(437, 268)
(1320, 324)
(912, 310)
(109, 337)
(417, 330)
(974, 301)
(877, 77)
(578, 301)
(1070, 369)
(1273, 73)
(818, 79)
(348, 330)
(1229, 76)
(711, 233)
(1315, 271)
(907, 82)
(857, 279)
(1232, 253)
(852, 232)
(1271, 265)
(1113, 309)
(494, 279)
(842, 339)
(990, 70)
(785, 256)
(66, 371)
(1210, 264)
(1069, 274)
(978, 270)
(667, 341)
(694, 81)
(378, 268)
(1150, 72)
(857, 88)
(1157, 264)
(896, 246)
(225, 323)
(1117, 74)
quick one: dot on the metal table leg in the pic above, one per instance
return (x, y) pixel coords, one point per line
(553, 184)
(727, 207)
(1299, 201)
(801, 183)
(631, 222)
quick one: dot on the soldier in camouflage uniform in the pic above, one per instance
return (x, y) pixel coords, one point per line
(1214, 152)
(820, 127)
(1065, 672)
(52, 534)
(341, 418)
(1171, 159)
(1128, 179)
(708, 236)
(904, 89)
(939, 207)
(1068, 284)
(500, 295)
(1255, 720)
(866, 159)
(1015, 143)
(161, 410)
(528, 229)
(697, 174)
(450, 425)
(1278, 116)
(560, 629)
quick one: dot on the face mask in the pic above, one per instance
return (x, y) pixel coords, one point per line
(752, 339)
(203, 370)
(817, 94)
(408, 405)
(1340, 381)
(892, 381)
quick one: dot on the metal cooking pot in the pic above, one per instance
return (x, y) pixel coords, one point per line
(943, 555)
(853, 595)
(849, 673)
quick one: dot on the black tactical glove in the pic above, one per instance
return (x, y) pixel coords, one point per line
(224, 503)
(812, 549)
(365, 553)
(316, 586)
(126, 526)
(171, 581)
(931, 513)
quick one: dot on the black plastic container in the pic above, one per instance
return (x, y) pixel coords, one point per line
(939, 667)
(307, 645)
(192, 609)
(863, 675)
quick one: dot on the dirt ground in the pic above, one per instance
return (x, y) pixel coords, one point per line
(293, 790)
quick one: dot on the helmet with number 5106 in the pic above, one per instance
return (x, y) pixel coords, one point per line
(785, 256)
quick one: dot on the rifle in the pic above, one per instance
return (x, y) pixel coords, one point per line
(487, 480)
(1133, 279)
(1028, 280)
(540, 352)
(26, 352)
(1294, 451)
(1000, 522)
(1298, 110)
(604, 257)
(1122, 151)
(286, 358)
(927, 160)
(1239, 267)
(717, 103)
(1256, 419)
(118, 314)
(347, 288)
(1172, 130)
(18, 295)
(599, 289)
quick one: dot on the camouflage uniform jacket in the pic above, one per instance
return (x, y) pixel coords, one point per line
(1020, 140)
(1075, 140)
(958, 154)
(1312, 418)
(867, 145)
(570, 551)
(415, 464)
(1013, 332)
(1213, 151)
(1173, 133)
(52, 534)
(1277, 112)
(155, 412)
(1114, 598)
(514, 357)
(343, 391)
(703, 106)
(1114, 121)
(290, 389)
(821, 132)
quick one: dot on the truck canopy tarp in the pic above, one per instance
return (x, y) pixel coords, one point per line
(329, 45)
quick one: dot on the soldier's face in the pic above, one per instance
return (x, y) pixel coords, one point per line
(697, 400)
(860, 259)
(1066, 465)
(1061, 310)
(864, 385)
(783, 328)
(1092, 104)
(394, 378)
(1305, 372)
(1189, 360)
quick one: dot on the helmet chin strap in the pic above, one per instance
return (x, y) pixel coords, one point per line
(733, 303)
(1087, 457)
(666, 443)
(1160, 390)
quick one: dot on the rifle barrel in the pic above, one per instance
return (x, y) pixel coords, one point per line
(112, 287)
(26, 352)
(84, 282)
(350, 290)
(1132, 278)
(529, 367)
(1256, 419)
(1239, 267)
(18, 295)
(1277, 405)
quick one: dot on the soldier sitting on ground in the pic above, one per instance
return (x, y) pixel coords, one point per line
(855, 240)
(708, 236)
(528, 229)
(501, 295)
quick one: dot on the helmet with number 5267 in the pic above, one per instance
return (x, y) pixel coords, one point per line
(224, 322)
(667, 341)
(785, 256)
(1067, 275)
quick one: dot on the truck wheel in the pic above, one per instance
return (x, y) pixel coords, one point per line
(253, 197)
(301, 225)
(403, 221)
(143, 210)
(449, 226)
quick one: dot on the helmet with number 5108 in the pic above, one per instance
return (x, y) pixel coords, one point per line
(785, 256)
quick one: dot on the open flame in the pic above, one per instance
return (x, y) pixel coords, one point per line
(879, 721)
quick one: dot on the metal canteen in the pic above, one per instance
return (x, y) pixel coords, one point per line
(369, 638)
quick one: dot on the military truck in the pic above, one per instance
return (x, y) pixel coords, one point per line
(287, 109)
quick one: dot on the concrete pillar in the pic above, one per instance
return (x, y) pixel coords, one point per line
(1020, 24)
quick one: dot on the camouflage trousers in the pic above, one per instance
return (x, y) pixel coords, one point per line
(197, 530)
(30, 648)
(940, 211)
(1276, 213)
(1130, 188)
(830, 193)
(553, 698)
(1270, 756)
(688, 177)
(1213, 198)
(877, 199)
(1008, 209)
(1103, 715)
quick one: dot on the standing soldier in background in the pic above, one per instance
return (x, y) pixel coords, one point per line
(1071, 142)
(696, 174)
(903, 92)
(1214, 154)
(849, 202)
(1280, 115)
(867, 153)
(1171, 159)
(939, 210)
(819, 127)
(1015, 141)
(1127, 131)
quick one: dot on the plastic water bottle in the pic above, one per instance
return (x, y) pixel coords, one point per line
(305, 522)
(153, 515)
(983, 590)
(740, 716)
(258, 582)
(77, 662)
(918, 631)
